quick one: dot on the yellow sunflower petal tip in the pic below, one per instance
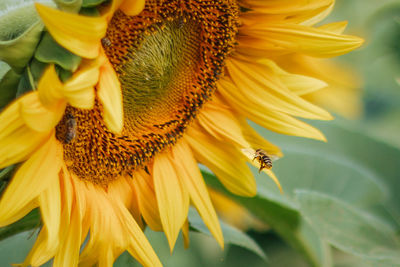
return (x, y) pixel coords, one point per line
(132, 7)
(274, 178)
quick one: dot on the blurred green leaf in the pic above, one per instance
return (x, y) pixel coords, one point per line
(379, 161)
(49, 51)
(282, 215)
(231, 234)
(349, 228)
(30, 221)
(332, 175)
(8, 84)
(15, 248)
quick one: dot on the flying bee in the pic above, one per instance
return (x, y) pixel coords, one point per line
(264, 160)
(106, 42)
(70, 128)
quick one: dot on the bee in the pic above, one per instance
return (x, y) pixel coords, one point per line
(264, 160)
(106, 42)
(70, 128)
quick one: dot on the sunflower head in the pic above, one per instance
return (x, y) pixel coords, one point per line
(127, 97)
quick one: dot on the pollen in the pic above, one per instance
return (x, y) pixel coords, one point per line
(168, 59)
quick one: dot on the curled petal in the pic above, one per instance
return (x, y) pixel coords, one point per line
(109, 92)
(50, 87)
(37, 117)
(79, 34)
(79, 90)
(17, 139)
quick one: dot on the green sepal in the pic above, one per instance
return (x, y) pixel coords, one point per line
(69, 5)
(8, 85)
(5, 174)
(90, 12)
(49, 51)
(63, 74)
(36, 69)
(92, 3)
(18, 51)
(4, 68)
(26, 83)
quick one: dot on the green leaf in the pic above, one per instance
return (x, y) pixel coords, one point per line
(91, 3)
(18, 45)
(69, 5)
(30, 221)
(8, 85)
(6, 172)
(14, 249)
(282, 215)
(231, 234)
(89, 11)
(348, 228)
(26, 83)
(353, 146)
(49, 51)
(329, 174)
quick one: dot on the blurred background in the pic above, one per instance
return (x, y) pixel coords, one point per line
(341, 206)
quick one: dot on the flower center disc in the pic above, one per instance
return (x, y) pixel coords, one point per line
(168, 59)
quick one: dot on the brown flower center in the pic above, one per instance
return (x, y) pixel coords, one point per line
(168, 59)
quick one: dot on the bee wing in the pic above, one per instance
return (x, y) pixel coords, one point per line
(249, 152)
(273, 157)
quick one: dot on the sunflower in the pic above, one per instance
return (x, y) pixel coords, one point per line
(112, 143)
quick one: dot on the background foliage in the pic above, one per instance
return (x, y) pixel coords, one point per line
(340, 207)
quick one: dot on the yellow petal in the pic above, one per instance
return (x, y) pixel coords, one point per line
(172, 198)
(17, 140)
(300, 84)
(79, 34)
(68, 192)
(221, 123)
(138, 246)
(274, 178)
(185, 234)
(304, 39)
(109, 92)
(50, 210)
(70, 239)
(257, 141)
(273, 120)
(286, 6)
(50, 87)
(132, 7)
(31, 179)
(37, 117)
(79, 90)
(258, 85)
(147, 200)
(194, 183)
(42, 251)
(226, 161)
